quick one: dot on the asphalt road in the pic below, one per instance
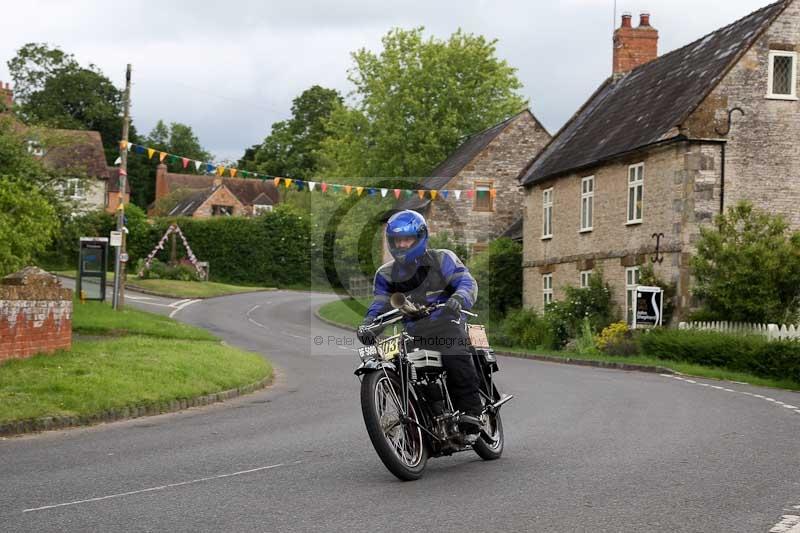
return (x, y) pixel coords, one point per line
(587, 450)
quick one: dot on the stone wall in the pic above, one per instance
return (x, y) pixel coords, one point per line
(35, 314)
(680, 193)
(498, 164)
(222, 196)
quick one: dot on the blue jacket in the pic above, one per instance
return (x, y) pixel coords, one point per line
(435, 277)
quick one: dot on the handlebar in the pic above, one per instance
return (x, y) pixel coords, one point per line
(404, 308)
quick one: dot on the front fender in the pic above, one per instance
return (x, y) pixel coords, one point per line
(373, 365)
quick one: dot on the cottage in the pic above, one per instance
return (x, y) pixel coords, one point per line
(662, 146)
(490, 160)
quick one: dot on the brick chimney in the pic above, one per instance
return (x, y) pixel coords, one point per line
(6, 97)
(634, 46)
(162, 189)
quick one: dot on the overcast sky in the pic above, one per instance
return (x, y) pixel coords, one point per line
(230, 69)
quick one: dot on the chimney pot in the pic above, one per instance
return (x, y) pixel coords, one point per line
(644, 19)
(626, 20)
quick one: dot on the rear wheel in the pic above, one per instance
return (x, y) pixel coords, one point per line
(400, 446)
(492, 447)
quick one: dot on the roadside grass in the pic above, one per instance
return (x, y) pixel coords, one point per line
(98, 318)
(339, 312)
(349, 312)
(177, 289)
(139, 359)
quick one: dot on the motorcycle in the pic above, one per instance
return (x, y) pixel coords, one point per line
(407, 408)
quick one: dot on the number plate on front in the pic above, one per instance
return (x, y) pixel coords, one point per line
(390, 347)
(367, 352)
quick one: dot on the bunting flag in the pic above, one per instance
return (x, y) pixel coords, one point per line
(219, 170)
(118, 161)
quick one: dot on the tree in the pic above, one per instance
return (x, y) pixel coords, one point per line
(747, 267)
(416, 101)
(291, 149)
(52, 89)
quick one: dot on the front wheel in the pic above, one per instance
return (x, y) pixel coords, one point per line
(400, 446)
(491, 448)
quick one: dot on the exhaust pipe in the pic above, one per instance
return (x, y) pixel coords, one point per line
(505, 398)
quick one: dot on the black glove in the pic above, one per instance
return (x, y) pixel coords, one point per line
(454, 305)
(366, 336)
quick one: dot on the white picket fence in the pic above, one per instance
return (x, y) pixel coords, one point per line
(770, 331)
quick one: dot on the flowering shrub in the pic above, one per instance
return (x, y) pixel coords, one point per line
(611, 334)
(593, 303)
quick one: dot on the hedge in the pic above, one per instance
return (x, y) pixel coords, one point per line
(745, 353)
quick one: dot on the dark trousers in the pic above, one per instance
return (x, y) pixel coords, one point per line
(462, 377)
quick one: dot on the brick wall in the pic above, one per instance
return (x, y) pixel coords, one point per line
(634, 46)
(35, 314)
(222, 196)
(498, 164)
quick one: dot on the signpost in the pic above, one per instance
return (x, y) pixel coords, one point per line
(648, 308)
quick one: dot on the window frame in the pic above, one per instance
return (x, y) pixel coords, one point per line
(636, 184)
(74, 189)
(630, 291)
(547, 289)
(587, 199)
(259, 209)
(475, 187)
(584, 277)
(547, 213)
(220, 207)
(771, 78)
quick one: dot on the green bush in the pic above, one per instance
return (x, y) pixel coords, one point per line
(593, 302)
(498, 272)
(525, 328)
(779, 359)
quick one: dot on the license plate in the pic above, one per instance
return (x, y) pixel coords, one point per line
(389, 348)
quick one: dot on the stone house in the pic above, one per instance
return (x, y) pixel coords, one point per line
(215, 196)
(660, 148)
(485, 167)
(76, 155)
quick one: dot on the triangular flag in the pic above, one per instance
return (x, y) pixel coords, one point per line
(233, 172)
(276, 181)
(492, 193)
(161, 156)
(122, 172)
(408, 193)
(185, 161)
(197, 165)
(140, 149)
(311, 185)
(359, 190)
(299, 184)
(323, 186)
(421, 193)
(371, 191)
(433, 195)
(445, 192)
(470, 194)
(245, 173)
(123, 145)
(337, 188)
(383, 192)
(117, 161)
(348, 188)
(458, 194)
(397, 193)
(172, 158)
(150, 153)
(209, 167)
(287, 182)
(220, 170)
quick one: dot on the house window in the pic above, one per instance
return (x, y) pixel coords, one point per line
(547, 213)
(74, 189)
(631, 282)
(782, 78)
(260, 208)
(35, 148)
(635, 193)
(221, 210)
(547, 289)
(587, 203)
(585, 275)
(483, 197)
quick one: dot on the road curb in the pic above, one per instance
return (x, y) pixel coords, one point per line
(48, 423)
(137, 288)
(549, 358)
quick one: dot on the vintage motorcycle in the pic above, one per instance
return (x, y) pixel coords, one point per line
(407, 408)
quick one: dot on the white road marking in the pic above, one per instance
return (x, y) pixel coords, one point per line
(182, 306)
(789, 524)
(178, 303)
(161, 487)
(129, 297)
(773, 401)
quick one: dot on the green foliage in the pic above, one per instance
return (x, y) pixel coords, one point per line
(444, 240)
(584, 343)
(593, 302)
(745, 353)
(27, 223)
(62, 253)
(617, 339)
(417, 99)
(525, 328)
(183, 271)
(498, 271)
(747, 267)
(269, 250)
(649, 278)
(291, 149)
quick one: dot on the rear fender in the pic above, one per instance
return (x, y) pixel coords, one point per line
(373, 365)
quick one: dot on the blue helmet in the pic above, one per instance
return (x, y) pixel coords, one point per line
(407, 224)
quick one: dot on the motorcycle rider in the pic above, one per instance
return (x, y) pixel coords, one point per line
(428, 276)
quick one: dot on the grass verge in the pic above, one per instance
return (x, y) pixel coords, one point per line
(177, 289)
(155, 360)
(341, 312)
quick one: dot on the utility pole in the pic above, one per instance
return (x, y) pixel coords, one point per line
(122, 257)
